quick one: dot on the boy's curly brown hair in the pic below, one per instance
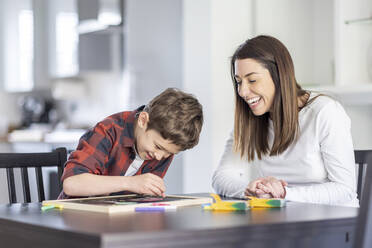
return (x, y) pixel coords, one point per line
(177, 116)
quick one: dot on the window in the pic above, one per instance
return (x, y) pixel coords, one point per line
(18, 46)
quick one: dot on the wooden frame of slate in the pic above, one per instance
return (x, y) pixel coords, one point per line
(125, 203)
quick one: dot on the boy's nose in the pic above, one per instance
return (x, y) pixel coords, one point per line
(159, 155)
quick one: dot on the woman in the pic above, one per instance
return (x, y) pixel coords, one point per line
(287, 142)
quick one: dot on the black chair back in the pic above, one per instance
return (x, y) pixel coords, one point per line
(361, 160)
(9, 161)
(363, 237)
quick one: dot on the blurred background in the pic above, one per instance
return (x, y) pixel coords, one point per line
(65, 65)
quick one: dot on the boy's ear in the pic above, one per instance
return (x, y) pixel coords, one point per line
(143, 119)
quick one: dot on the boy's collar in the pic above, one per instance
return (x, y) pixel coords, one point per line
(130, 125)
(139, 110)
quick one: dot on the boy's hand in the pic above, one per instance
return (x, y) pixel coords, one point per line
(148, 184)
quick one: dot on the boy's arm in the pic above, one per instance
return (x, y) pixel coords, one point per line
(89, 184)
(92, 152)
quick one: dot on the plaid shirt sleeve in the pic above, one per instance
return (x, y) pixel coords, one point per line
(92, 152)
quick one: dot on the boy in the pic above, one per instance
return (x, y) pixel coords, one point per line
(131, 151)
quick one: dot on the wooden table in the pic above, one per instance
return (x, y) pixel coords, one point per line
(296, 225)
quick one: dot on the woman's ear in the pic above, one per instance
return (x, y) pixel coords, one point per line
(143, 119)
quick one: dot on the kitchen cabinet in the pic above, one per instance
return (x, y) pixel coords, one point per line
(87, 36)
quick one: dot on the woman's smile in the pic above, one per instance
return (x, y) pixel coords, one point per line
(253, 102)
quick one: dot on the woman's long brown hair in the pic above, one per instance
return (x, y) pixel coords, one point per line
(250, 131)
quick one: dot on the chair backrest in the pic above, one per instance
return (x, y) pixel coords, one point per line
(363, 237)
(361, 160)
(9, 161)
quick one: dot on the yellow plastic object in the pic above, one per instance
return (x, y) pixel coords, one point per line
(255, 202)
(220, 205)
(60, 207)
(216, 197)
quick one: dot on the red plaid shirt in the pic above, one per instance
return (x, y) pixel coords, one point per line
(108, 149)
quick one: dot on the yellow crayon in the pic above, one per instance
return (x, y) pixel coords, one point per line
(47, 206)
(231, 206)
(220, 205)
(266, 203)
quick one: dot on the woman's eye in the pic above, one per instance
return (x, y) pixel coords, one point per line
(252, 81)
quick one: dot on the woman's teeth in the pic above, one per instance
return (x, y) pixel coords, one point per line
(253, 100)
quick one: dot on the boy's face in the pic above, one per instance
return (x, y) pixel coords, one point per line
(149, 143)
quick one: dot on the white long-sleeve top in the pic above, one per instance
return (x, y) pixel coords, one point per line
(319, 167)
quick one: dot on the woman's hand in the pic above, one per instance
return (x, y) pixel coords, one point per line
(266, 187)
(252, 187)
(273, 186)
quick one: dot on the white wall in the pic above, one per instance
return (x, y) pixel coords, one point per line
(153, 53)
(212, 30)
(354, 42)
(306, 29)
(361, 126)
(197, 79)
(153, 60)
(323, 42)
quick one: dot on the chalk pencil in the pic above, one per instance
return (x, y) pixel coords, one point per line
(155, 208)
(51, 206)
(160, 204)
(47, 207)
